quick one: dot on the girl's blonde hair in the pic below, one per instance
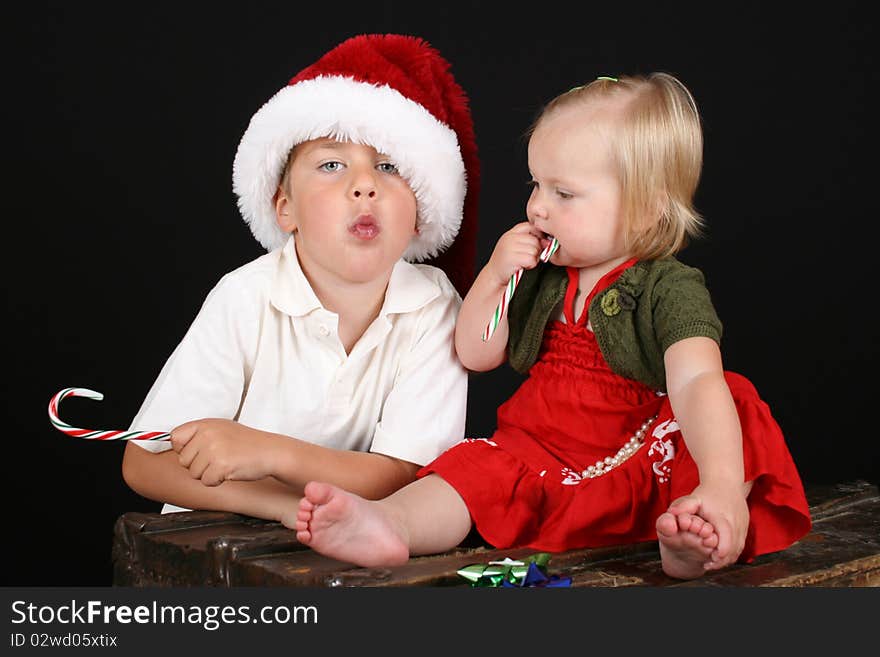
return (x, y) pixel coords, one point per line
(657, 146)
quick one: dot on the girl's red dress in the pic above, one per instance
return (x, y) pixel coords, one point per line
(525, 486)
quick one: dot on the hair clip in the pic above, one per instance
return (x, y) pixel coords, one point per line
(601, 77)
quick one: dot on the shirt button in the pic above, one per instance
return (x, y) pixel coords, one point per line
(323, 330)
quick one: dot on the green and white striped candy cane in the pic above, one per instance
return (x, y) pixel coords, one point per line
(545, 256)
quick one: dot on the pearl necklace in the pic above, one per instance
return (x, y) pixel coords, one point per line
(631, 447)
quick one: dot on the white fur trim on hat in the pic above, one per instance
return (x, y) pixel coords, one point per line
(425, 150)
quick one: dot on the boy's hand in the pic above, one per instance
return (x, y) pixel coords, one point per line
(518, 248)
(216, 450)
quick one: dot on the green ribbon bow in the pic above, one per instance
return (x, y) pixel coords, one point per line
(495, 573)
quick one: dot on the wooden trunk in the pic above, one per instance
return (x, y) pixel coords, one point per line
(205, 548)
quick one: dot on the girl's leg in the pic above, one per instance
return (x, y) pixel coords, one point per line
(426, 517)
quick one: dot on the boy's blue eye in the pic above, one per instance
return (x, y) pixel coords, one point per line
(331, 166)
(387, 167)
(564, 195)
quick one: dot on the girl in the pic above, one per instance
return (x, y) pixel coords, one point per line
(627, 428)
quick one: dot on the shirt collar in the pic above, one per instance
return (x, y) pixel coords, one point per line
(291, 292)
(408, 289)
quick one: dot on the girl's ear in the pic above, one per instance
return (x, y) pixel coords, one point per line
(284, 211)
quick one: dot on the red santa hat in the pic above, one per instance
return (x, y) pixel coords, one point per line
(396, 94)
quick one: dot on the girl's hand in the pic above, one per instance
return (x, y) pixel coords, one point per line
(216, 450)
(725, 507)
(518, 248)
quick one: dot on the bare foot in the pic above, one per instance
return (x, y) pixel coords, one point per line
(686, 544)
(344, 526)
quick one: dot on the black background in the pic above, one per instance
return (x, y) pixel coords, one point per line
(121, 128)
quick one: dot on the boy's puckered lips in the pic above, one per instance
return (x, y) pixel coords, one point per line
(365, 227)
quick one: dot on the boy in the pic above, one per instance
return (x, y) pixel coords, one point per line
(331, 357)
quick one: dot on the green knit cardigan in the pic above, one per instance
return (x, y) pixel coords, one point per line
(652, 305)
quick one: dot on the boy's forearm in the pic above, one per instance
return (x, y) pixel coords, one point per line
(372, 476)
(706, 413)
(160, 477)
(475, 313)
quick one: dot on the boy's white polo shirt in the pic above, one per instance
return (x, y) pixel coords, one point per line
(263, 351)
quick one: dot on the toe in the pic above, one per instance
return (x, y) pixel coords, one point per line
(667, 525)
(697, 524)
(685, 520)
(318, 493)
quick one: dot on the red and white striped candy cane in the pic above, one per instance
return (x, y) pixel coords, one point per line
(95, 434)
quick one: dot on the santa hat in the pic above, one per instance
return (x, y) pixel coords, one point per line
(396, 94)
